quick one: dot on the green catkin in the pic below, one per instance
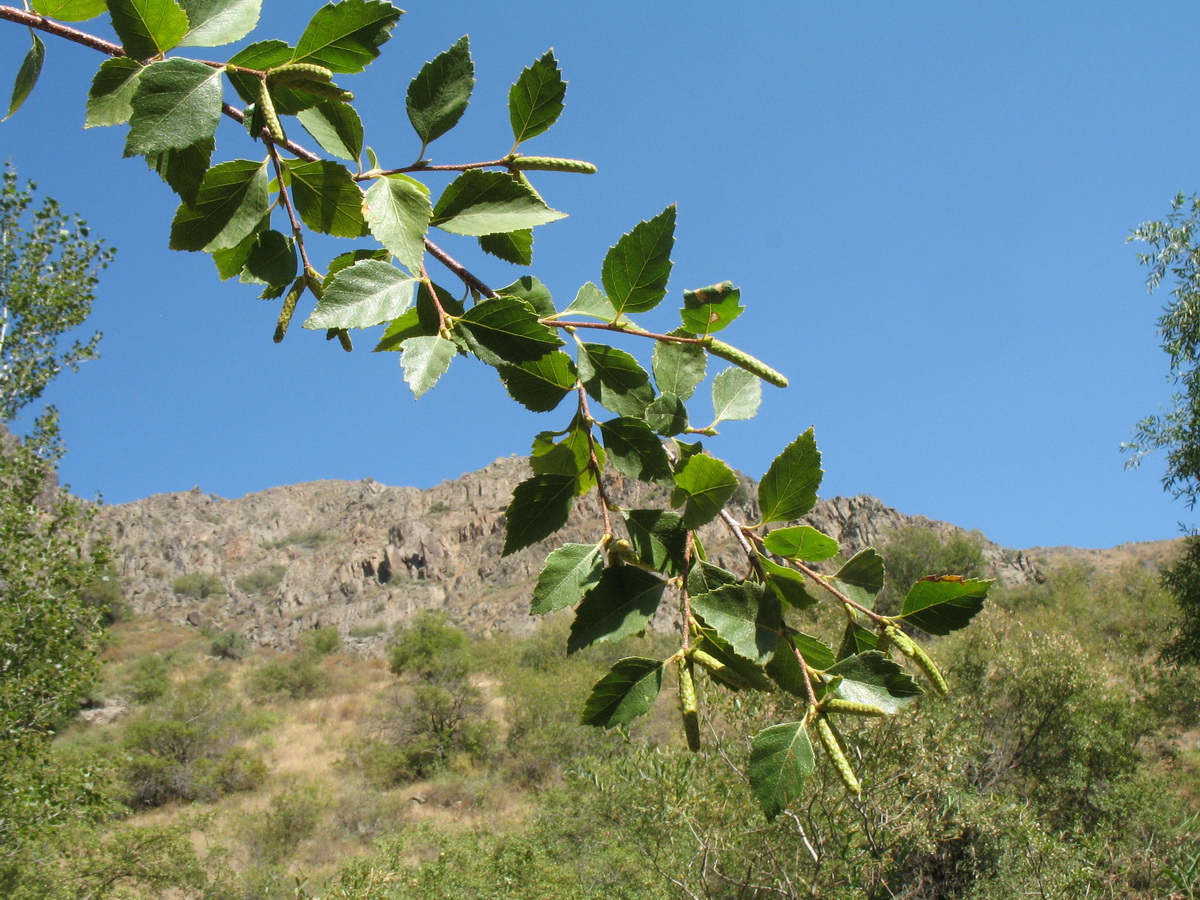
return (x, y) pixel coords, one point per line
(289, 307)
(266, 106)
(745, 361)
(920, 658)
(687, 705)
(851, 708)
(299, 72)
(719, 670)
(553, 164)
(837, 756)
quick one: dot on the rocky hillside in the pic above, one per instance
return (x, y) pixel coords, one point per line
(362, 556)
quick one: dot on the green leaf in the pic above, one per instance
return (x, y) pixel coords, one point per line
(541, 384)
(531, 291)
(478, 203)
(706, 312)
(862, 577)
(212, 23)
(27, 75)
(746, 616)
(397, 211)
(614, 379)
(425, 360)
(590, 301)
(736, 395)
(635, 450)
(261, 55)
(346, 36)
(856, 639)
(667, 415)
(231, 202)
(272, 260)
(337, 128)
(709, 484)
(788, 584)
(110, 101)
(570, 572)
(570, 456)
(438, 96)
(366, 294)
(802, 542)
(781, 761)
(346, 260)
(327, 198)
(183, 169)
(539, 507)
(232, 260)
(875, 680)
(70, 10)
(148, 28)
(745, 674)
(658, 538)
(706, 577)
(536, 100)
(789, 489)
(177, 103)
(504, 330)
(942, 604)
(636, 270)
(626, 692)
(678, 368)
(515, 247)
(786, 672)
(621, 604)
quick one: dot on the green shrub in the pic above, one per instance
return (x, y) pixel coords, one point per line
(915, 551)
(104, 592)
(322, 641)
(273, 835)
(261, 579)
(312, 539)
(295, 677)
(228, 645)
(151, 679)
(431, 647)
(198, 585)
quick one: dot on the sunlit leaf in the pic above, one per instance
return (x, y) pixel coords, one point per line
(177, 103)
(346, 36)
(212, 23)
(478, 203)
(621, 604)
(70, 10)
(627, 691)
(781, 762)
(942, 604)
(230, 204)
(539, 507)
(368, 293)
(337, 128)
(709, 484)
(569, 573)
(397, 211)
(636, 270)
(438, 96)
(736, 395)
(327, 198)
(425, 360)
(615, 379)
(148, 28)
(110, 100)
(536, 100)
(27, 75)
(789, 489)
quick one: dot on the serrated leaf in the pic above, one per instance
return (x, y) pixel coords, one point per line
(570, 456)
(626, 692)
(615, 379)
(111, 96)
(940, 605)
(788, 584)
(346, 36)
(230, 205)
(504, 330)
(368, 293)
(327, 198)
(705, 577)
(261, 55)
(337, 127)
(667, 415)
(736, 395)
(569, 573)
(658, 538)
(861, 578)
(781, 761)
(213, 23)
(536, 100)
(27, 74)
(478, 203)
(183, 169)
(70, 10)
(539, 507)
(439, 95)
(704, 317)
(709, 484)
(540, 385)
(425, 360)
(635, 450)
(785, 670)
(746, 616)
(590, 301)
(148, 28)
(515, 247)
(272, 260)
(744, 672)
(802, 542)
(875, 680)
(678, 368)
(856, 639)
(397, 211)
(531, 291)
(636, 270)
(789, 489)
(232, 260)
(400, 330)
(349, 258)
(621, 604)
(177, 103)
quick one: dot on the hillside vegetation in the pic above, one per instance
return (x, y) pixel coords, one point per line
(1064, 764)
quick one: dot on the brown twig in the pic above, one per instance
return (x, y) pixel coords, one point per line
(555, 322)
(593, 459)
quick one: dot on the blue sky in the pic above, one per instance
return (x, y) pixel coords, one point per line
(924, 204)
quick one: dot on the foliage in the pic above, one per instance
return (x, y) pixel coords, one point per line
(199, 585)
(914, 551)
(228, 645)
(49, 268)
(293, 676)
(322, 641)
(741, 625)
(151, 679)
(430, 648)
(261, 579)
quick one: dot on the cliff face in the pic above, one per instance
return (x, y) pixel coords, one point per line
(361, 556)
